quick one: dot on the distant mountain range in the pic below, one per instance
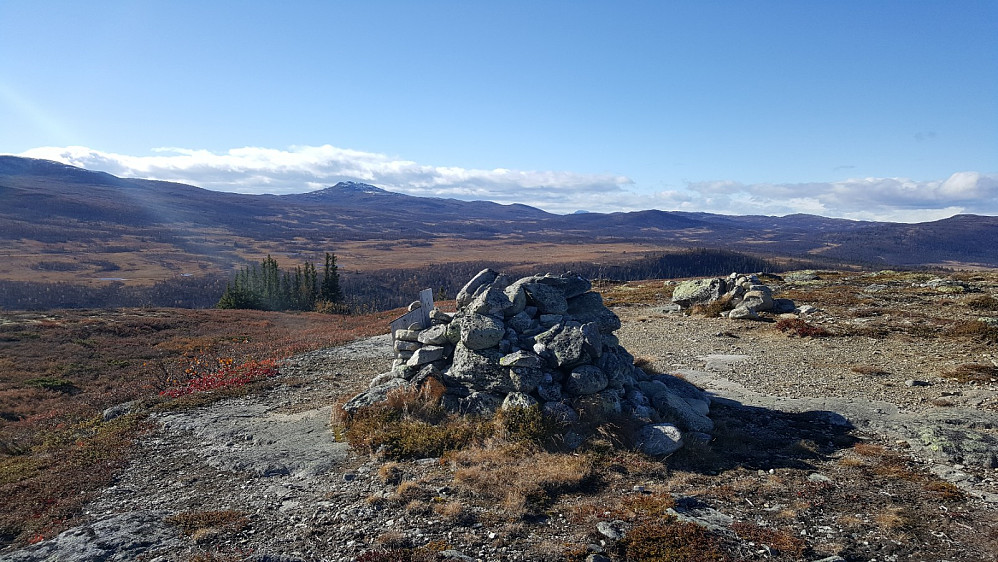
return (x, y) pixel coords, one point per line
(52, 203)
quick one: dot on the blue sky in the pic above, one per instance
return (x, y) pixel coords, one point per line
(867, 110)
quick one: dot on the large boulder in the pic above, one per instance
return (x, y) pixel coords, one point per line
(698, 291)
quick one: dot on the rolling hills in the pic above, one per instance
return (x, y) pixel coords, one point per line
(62, 223)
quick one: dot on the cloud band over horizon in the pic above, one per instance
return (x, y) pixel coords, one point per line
(256, 170)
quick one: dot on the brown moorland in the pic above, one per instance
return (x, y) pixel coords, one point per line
(60, 369)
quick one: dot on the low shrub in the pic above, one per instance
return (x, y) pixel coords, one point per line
(670, 540)
(982, 302)
(54, 384)
(228, 374)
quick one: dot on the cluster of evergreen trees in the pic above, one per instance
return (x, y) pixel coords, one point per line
(268, 287)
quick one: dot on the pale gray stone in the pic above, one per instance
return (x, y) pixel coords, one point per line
(490, 302)
(569, 284)
(546, 298)
(407, 335)
(479, 369)
(373, 395)
(522, 359)
(467, 292)
(402, 345)
(481, 403)
(672, 407)
(585, 379)
(480, 332)
(517, 298)
(588, 307)
(600, 404)
(567, 344)
(659, 439)
(434, 335)
(783, 306)
(518, 400)
(526, 379)
(521, 322)
(425, 354)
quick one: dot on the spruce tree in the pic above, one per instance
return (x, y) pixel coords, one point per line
(330, 288)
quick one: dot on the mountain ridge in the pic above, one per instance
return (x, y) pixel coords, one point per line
(42, 200)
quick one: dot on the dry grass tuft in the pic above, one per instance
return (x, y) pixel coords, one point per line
(642, 506)
(780, 541)
(869, 450)
(944, 490)
(712, 309)
(972, 372)
(201, 523)
(519, 475)
(390, 473)
(894, 518)
(975, 330)
(411, 424)
(411, 490)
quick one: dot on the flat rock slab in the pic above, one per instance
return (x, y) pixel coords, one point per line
(120, 537)
(954, 436)
(720, 362)
(246, 436)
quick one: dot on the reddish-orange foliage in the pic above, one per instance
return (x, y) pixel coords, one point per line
(227, 375)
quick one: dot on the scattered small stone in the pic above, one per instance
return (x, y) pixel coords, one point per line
(613, 530)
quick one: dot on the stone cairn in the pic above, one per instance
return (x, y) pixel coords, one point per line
(745, 294)
(544, 340)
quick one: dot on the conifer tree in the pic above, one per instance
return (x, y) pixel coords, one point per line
(270, 288)
(330, 288)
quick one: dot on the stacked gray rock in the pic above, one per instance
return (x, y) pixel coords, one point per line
(746, 295)
(544, 340)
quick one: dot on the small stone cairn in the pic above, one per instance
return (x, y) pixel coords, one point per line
(745, 293)
(544, 340)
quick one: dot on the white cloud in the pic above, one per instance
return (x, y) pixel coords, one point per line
(265, 170)
(305, 168)
(890, 199)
